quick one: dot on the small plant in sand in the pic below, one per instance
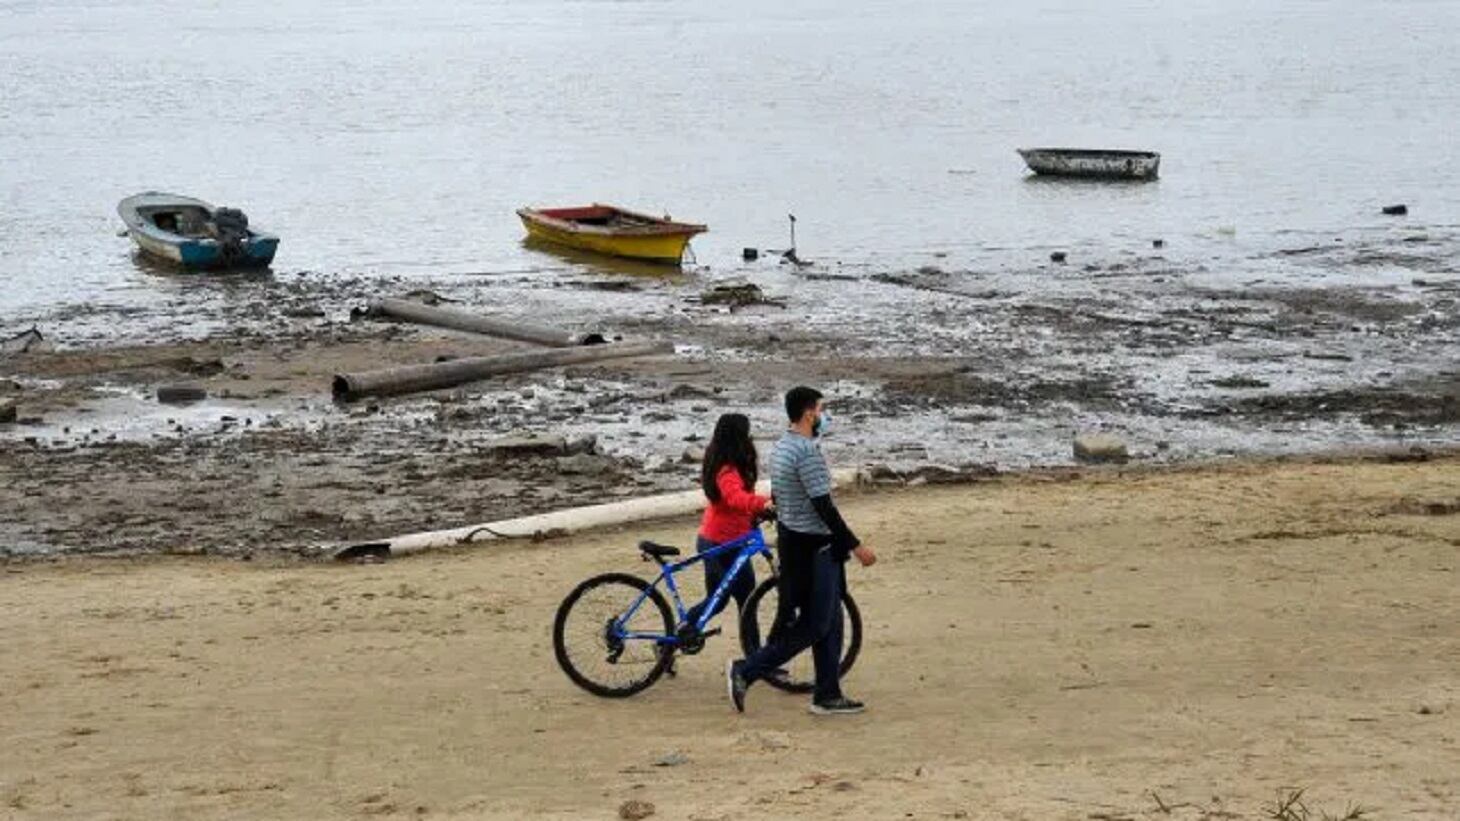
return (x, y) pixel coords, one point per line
(1290, 807)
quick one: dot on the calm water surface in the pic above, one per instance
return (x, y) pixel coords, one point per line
(387, 137)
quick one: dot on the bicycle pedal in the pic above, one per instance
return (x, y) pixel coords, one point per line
(709, 633)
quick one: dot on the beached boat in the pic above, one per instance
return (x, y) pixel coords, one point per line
(1097, 163)
(194, 234)
(607, 229)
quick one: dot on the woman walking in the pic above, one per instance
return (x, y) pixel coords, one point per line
(728, 477)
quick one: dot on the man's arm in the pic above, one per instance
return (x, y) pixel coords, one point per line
(843, 540)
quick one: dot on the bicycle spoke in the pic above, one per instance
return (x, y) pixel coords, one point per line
(598, 655)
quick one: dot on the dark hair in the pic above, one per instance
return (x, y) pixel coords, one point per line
(730, 444)
(799, 400)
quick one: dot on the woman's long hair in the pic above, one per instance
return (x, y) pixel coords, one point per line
(729, 445)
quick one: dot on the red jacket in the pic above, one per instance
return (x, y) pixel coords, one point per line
(734, 515)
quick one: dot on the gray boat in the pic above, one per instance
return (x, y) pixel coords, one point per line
(194, 234)
(1093, 163)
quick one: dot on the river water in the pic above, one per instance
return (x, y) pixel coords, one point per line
(398, 138)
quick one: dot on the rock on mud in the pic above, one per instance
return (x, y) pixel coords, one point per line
(526, 444)
(1100, 447)
(181, 394)
(585, 444)
(584, 464)
(543, 445)
(8, 411)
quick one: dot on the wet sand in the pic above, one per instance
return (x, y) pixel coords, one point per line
(1041, 647)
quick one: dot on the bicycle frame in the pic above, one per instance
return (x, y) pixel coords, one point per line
(746, 548)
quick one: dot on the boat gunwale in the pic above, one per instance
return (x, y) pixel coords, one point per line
(658, 226)
(130, 211)
(1091, 152)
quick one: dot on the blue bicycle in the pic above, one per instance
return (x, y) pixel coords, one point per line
(614, 635)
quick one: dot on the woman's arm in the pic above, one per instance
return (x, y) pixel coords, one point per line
(735, 495)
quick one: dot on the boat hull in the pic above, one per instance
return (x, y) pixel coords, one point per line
(663, 244)
(192, 253)
(207, 255)
(1092, 164)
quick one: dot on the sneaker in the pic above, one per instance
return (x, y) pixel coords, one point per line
(735, 685)
(839, 706)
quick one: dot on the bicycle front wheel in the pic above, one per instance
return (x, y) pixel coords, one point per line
(762, 617)
(589, 640)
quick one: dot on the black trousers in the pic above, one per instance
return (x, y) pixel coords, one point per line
(812, 580)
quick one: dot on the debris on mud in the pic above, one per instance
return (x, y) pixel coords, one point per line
(739, 296)
(1100, 447)
(23, 342)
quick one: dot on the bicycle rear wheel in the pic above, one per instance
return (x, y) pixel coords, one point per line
(759, 619)
(589, 648)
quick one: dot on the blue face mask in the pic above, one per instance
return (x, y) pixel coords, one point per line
(823, 423)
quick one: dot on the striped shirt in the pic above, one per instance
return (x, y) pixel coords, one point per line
(798, 475)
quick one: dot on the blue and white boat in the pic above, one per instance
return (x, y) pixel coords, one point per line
(193, 233)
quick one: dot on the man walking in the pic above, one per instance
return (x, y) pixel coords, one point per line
(814, 545)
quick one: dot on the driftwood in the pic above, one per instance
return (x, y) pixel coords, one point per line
(557, 522)
(413, 378)
(423, 314)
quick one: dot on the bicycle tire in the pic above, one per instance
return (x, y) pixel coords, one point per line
(665, 655)
(852, 635)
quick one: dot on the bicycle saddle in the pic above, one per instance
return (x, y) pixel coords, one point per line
(658, 551)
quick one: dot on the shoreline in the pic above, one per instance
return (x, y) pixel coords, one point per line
(1035, 648)
(875, 480)
(930, 370)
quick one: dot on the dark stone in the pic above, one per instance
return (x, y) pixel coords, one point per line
(1396, 210)
(181, 394)
(1058, 256)
(750, 254)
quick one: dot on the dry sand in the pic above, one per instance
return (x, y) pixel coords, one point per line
(1097, 648)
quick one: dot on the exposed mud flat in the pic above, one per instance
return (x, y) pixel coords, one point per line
(1336, 346)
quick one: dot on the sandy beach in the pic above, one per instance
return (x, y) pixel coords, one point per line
(1174, 644)
(1164, 473)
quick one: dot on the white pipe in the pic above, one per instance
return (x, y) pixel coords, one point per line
(572, 520)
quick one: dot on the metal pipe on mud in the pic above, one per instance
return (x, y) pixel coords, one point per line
(423, 314)
(348, 387)
(558, 522)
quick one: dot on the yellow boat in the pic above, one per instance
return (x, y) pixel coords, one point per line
(607, 229)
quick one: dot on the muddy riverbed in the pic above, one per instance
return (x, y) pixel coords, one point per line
(1348, 342)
